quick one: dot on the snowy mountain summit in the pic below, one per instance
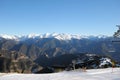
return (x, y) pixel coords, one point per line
(58, 36)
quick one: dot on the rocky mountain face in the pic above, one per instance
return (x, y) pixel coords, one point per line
(51, 49)
(90, 61)
(12, 61)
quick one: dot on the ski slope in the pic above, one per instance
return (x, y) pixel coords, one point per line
(94, 74)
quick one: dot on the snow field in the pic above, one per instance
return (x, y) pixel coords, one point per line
(93, 74)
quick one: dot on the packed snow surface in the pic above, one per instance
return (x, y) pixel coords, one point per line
(94, 74)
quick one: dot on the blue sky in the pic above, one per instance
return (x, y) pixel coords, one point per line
(85, 17)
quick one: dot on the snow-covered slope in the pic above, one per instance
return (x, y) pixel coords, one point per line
(105, 61)
(95, 74)
(58, 36)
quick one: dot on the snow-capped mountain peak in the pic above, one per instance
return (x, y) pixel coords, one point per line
(33, 35)
(8, 36)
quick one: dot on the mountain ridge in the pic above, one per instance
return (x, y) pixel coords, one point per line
(59, 36)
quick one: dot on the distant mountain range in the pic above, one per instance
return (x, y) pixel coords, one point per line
(43, 48)
(61, 36)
